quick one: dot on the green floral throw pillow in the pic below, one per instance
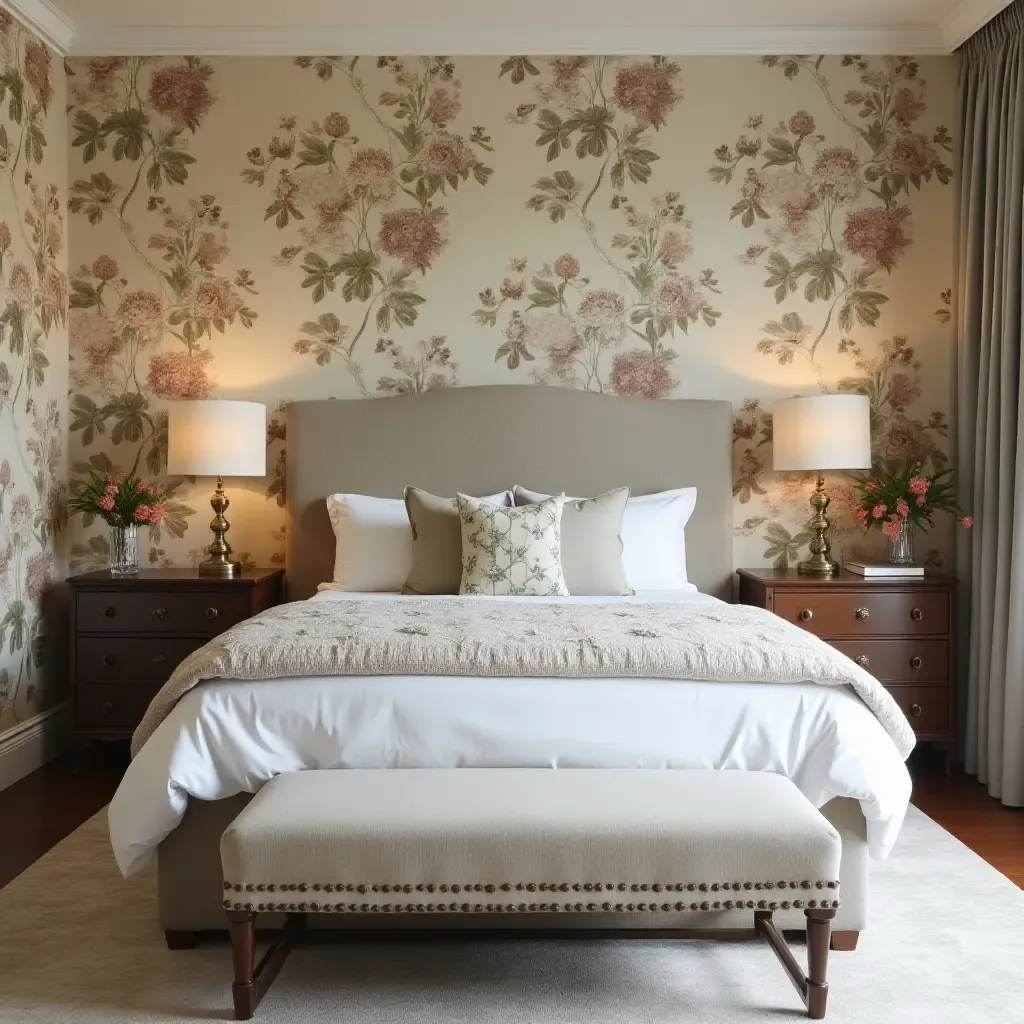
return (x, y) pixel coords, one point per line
(512, 550)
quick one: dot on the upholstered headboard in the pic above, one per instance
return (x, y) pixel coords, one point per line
(482, 439)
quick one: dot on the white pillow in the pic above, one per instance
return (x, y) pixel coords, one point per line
(373, 541)
(653, 538)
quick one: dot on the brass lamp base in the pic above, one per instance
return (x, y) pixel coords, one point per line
(820, 562)
(219, 565)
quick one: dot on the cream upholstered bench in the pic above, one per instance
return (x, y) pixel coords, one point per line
(527, 841)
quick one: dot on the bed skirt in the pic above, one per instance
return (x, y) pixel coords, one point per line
(190, 883)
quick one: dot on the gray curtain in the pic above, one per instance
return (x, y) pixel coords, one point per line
(989, 419)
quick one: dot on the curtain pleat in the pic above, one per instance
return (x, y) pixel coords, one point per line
(989, 416)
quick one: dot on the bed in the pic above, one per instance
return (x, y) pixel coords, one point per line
(225, 738)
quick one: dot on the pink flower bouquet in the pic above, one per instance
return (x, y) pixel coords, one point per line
(124, 502)
(889, 498)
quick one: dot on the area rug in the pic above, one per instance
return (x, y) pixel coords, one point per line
(78, 945)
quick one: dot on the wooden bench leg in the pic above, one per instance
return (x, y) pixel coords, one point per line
(819, 927)
(813, 986)
(844, 942)
(251, 979)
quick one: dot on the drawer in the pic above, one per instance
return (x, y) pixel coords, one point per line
(128, 658)
(152, 611)
(926, 707)
(901, 661)
(881, 613)
(112, 705)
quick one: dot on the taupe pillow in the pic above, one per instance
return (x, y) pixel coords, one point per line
(437, 541)
(591, 542)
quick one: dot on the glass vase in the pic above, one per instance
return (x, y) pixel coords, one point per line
(901, 547)
(124, 550)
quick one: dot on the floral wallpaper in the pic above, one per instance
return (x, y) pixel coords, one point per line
(734, 228)
(33, 360)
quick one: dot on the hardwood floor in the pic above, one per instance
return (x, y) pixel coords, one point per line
(40, 810)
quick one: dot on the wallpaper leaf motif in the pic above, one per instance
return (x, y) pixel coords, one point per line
(33, 318)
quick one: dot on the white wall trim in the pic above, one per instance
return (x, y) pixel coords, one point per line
(46, 20)
(967, 17)
(468, 40)
(31, 744)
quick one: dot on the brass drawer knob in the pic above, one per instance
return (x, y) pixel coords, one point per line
(212, 613)
(915, 710)
(916, 614)
(109, 612)
(862, 614)
(915, 662)
(159, 613)
(806, 615)
(108, 660)
(863, 660)
(106, 707)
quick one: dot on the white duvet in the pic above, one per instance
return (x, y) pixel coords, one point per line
(225, 736)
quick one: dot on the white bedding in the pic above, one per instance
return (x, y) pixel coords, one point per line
(226, 737)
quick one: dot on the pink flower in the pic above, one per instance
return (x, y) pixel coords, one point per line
(869, 486)
(919, 485)
(862, 514)
(157, 511)
(112, 489)
(143, 513)
(921, 501)
(966, 522)
(902, 507)
(878, 511)
(890, 530)
(138, 485)
(106, 502)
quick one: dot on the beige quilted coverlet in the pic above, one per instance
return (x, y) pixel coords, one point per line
(476, 637)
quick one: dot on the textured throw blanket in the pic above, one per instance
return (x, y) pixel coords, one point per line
(475, 637)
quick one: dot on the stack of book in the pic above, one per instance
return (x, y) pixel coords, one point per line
(884, 570)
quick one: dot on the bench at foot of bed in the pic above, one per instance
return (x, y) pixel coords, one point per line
(530, 841)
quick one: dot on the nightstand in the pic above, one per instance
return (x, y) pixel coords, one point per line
(899, 630)
(129, 633)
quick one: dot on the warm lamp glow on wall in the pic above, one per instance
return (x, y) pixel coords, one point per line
(215, 438)
(814, 434)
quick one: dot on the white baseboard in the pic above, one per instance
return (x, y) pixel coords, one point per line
(31, 744)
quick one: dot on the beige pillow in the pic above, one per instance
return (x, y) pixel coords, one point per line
(591, 542)
(511, 550)
(437, 541)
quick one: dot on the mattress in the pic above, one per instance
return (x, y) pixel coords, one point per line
(229, 736)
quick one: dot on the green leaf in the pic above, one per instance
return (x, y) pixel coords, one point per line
(128, 412)
(320, 275)
(554, 134)
(315, 153)
(93, 197)
(779, 152)
(823, 268)
(90, 136)
(14, 318)
(360, 270)
(88, 418)
(517, 68)
(129, 127)
(544, 294)
(595, 129)
(782, 276)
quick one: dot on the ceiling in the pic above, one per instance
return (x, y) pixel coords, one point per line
(497, 26)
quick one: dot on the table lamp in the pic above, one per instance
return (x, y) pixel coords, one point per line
(818, 433)
(217, 438)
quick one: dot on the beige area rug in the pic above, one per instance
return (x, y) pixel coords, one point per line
(78, 945)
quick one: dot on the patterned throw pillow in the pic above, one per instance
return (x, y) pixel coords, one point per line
(512, 550)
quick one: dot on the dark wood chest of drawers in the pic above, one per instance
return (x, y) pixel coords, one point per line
(128, 635)
(899, 630)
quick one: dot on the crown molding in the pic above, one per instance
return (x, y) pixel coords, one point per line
(966, 18)
(45, 20)
(468, 40)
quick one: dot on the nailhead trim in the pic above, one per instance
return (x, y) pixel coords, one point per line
(528, 887)
(454, 907)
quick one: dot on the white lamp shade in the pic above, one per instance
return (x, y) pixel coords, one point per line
(822, 432)
(217, 438)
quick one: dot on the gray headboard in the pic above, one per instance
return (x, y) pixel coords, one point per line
(482, 439)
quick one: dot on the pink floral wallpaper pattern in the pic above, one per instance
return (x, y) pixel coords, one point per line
(33, 360)
(362, 227)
